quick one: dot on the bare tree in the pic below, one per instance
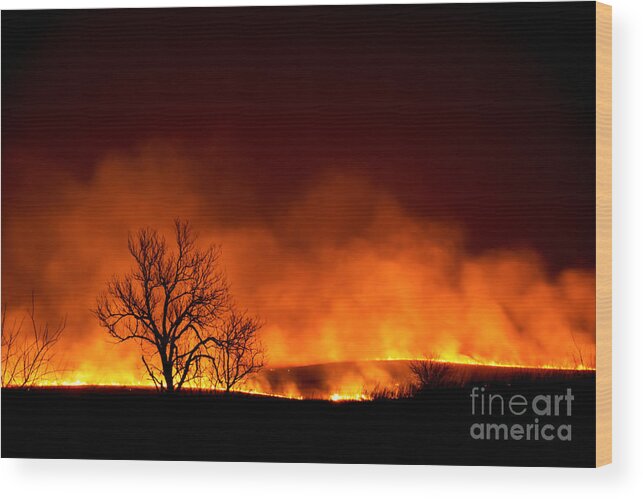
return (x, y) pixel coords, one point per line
(167, 303)
(238, 352)
(428, 373)
(28, 355)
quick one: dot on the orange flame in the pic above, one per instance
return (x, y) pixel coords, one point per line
(341, 273)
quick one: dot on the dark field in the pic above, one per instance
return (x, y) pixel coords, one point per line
(106, 423)
(320, 380)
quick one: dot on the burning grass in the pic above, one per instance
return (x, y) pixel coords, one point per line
(362, 381)
(379, 380)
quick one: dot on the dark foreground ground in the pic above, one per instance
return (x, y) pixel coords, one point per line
(123, 424)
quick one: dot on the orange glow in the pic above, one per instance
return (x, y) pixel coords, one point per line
(342, 397)
(343, 273)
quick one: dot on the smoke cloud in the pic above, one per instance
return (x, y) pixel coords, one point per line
(333, 263)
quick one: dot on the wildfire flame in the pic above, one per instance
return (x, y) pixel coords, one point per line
(342, 273)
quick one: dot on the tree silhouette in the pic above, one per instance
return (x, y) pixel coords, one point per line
(168, 303)
(238, 353)
(28, 352)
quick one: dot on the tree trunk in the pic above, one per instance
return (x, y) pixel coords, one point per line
(169, 380)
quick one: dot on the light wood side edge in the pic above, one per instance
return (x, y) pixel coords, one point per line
(603, 234)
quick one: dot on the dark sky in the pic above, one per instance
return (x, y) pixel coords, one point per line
(480, 114)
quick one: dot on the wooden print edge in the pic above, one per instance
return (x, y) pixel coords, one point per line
(603, 234)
